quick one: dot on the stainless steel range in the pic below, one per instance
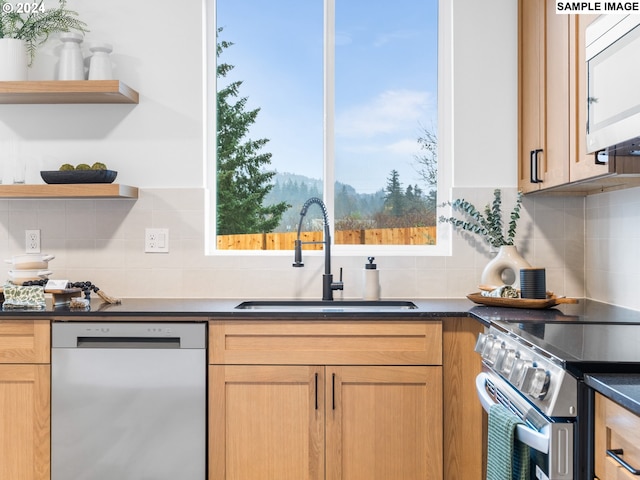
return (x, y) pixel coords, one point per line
(534, 386)
(536, 369)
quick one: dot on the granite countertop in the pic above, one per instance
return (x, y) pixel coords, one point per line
(622, 388)
(195, 308)
(586, 311)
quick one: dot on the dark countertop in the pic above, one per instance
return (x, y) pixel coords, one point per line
(586, 311)
(623, 389)
(192, 308)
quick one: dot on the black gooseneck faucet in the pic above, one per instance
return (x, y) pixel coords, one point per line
(328, 285)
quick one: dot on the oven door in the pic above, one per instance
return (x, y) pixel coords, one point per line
(550, 441)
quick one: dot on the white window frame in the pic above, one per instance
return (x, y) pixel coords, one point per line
(445, 138)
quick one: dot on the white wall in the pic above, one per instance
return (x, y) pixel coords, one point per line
(157, 145)
(157, 50)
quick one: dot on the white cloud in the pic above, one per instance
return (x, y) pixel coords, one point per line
(407, 146)
(391, 111)
(385, 38)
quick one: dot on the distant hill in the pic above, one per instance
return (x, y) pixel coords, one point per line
(296, 189)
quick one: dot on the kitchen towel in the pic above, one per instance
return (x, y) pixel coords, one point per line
(507, 457)
(19, 297)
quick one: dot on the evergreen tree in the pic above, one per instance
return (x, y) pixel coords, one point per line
(394, 197)
(242, 181)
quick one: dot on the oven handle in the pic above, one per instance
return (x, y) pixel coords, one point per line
(536, 440)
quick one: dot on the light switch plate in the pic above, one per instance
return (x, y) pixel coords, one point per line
(156, 240)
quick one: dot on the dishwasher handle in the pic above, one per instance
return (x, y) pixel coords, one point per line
(128, 342)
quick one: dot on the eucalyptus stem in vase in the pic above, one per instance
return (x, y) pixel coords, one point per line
(490, 226)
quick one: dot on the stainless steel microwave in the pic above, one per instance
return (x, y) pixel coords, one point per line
(613, 84)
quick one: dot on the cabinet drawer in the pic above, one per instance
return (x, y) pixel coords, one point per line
(325, 342)
(616, 428)
(25, 341)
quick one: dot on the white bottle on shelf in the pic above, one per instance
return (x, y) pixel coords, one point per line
(71, 64)
(371, 281)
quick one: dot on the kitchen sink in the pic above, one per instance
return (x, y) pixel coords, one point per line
(328, 306)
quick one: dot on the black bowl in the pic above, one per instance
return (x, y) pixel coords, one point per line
(78, 176)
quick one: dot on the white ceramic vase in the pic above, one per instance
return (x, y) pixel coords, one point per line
(100, 63)
(71, 64)
(13, 60)
(507, 258)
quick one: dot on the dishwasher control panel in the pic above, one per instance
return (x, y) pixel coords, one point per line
(79, 334)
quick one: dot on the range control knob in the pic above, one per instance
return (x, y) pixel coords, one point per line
(536, 382)
(491, 351)
(482, 341)
(518, 372)
(508, 359)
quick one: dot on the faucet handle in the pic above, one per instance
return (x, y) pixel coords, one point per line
(297, 255)
(339, 285)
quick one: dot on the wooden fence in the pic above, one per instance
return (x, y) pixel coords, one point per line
(284, 241)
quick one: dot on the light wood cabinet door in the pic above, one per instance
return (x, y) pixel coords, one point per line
(531, 115)
(25, 422)
(266, 422)
(556, 93)
(616, 428)
(384, 423)
(543, 106)
(25, 341)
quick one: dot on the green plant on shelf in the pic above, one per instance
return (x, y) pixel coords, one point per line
(34, 23)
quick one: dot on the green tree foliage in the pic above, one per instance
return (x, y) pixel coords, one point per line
(404, 207)
(242, 180)
(394, 197)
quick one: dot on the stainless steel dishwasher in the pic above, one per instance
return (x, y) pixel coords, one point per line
(128, 401)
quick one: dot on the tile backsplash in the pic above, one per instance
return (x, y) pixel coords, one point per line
(612, 242)
(103, 241)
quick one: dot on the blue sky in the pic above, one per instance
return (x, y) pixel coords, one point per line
(386, 82)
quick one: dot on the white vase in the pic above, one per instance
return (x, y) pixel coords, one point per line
(71, 64)
(13, 60)
(100, 63)
(507, 259)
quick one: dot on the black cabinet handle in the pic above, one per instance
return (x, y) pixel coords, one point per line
(596, 157)
(533, 161)
(333, 391)
(615, 454)
(316, 390)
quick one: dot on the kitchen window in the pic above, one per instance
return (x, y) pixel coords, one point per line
(336, 99)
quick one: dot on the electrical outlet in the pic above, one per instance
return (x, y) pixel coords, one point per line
(32, 241)
(156, 240)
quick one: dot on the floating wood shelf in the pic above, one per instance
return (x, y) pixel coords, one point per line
(67, 91)
(75, 190)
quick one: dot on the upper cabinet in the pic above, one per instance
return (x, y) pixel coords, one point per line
(543, 96)
(552, 108)
(67, 91)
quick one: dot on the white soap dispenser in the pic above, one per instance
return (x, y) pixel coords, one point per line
(371, 281)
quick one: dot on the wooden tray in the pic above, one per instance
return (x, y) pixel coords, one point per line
(551, 301)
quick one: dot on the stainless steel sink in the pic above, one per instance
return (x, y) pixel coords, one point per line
(328, 306)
